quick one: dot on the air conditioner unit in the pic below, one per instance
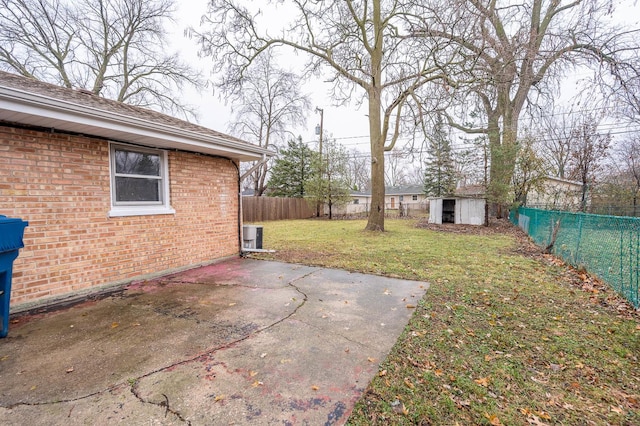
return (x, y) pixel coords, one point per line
(251, 237)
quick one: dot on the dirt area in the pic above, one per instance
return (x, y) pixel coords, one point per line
(526, 247)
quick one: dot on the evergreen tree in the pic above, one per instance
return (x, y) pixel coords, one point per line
(292, 171)
(330, 182)
(440, 175)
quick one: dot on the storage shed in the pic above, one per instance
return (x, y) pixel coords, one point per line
(458, 210)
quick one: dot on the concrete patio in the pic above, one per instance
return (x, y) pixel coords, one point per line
(237, 342)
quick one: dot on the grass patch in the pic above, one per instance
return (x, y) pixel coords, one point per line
(499, 338)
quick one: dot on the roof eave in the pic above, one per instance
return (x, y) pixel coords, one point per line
(34, 109)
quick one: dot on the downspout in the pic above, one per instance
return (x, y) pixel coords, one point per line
(240, 236)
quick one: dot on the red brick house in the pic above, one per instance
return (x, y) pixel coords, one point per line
(112, 192)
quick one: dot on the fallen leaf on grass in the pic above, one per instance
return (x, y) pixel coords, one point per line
(382, 373)
(399, 407)
(409, 384)
(542, 380)
(543, 415)
(535, 420)
(482, 381)
(493, 419)
(525, 411)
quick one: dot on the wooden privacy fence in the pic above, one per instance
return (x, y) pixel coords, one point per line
(260, 209)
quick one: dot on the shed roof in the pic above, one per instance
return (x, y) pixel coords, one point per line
(28, 101)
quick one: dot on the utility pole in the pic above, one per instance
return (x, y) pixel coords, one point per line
(319, 131)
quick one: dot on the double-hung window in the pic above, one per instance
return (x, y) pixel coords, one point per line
(139, 181)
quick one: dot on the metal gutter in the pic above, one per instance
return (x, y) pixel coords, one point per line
(63, 110)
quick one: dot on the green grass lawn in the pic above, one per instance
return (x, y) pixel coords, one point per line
(499, 338)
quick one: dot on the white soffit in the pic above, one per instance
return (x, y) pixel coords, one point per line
(37, 110)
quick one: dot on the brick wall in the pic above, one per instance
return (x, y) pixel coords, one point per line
(60, 183)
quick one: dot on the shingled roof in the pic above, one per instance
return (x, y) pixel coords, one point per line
(27, 101)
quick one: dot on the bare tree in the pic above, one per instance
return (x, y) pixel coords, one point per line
(554, 143)
(587, 155)
(520, 50)
(529, 171)
(618, 80)
(470, 162)
(114, 48)
(358, 176)
(266, 105)
(628, 155)
(396, 168)
(361, 45)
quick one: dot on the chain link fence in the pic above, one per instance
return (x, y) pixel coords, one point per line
(607, 246)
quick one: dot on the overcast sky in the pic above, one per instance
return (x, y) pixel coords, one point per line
(350, 126)
(347, 124)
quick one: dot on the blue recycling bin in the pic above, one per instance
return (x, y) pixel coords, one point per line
(11, 233)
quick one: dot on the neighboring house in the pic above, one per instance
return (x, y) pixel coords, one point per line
(411, 198)
(112, 192)
(556, 194)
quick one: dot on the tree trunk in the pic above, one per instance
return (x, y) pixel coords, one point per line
(376, 214)
(583, 201)
(503, 151)
(377, 140)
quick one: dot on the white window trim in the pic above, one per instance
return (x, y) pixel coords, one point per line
(140, 210)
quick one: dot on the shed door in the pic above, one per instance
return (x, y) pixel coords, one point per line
(435, 211)
(448, 211)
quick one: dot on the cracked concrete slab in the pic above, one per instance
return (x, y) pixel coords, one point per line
(237, 342)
